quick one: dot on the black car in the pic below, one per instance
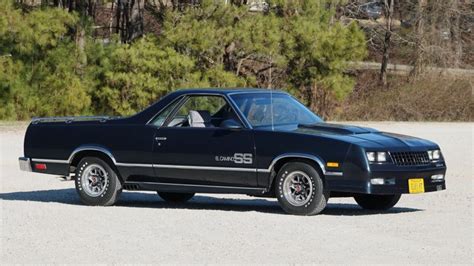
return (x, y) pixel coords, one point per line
(370, 10)
(249, 141)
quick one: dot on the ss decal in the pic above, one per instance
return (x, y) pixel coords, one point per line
(243, 158)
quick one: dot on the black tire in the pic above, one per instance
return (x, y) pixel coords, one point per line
(175, 197)
(377, 202)
(108, 193)
(314, 202)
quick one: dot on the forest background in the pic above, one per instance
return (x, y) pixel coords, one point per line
(347, 60)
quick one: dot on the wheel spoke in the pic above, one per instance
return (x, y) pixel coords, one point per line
(298, 188)
(95, 180)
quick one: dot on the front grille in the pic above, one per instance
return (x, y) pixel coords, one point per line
(410, 158)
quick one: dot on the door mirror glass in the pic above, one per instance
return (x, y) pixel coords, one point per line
(231, 124)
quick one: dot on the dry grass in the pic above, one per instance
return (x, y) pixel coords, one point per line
(432, 98)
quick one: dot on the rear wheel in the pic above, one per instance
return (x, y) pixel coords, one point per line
(175, 197)
(300, 189)
(377, 202)
(96, 182)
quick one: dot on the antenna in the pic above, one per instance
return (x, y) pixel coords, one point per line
(271, 92)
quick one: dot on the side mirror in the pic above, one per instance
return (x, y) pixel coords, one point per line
(231, 124)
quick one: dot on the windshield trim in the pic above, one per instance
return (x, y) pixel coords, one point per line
(238, 111)
(258, 92)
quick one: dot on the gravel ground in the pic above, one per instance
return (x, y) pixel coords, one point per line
(44, 222)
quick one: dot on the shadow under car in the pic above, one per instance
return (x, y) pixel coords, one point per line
(149, 200)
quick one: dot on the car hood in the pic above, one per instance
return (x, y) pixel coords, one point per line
(366, 137)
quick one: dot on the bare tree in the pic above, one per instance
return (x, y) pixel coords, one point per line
(442, 35)
(419, 39)
(129, 19)
(388, 10)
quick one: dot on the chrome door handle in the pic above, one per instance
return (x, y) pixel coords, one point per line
(160, 138)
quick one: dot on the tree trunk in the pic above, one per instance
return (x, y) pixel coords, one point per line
(418, 62)
(455, 34)
(118, 16)
(135, 22)
(270, 83)
(388, 6)
(129, 19)
(81, 53)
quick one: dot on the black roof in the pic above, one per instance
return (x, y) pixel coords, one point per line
(224, 90)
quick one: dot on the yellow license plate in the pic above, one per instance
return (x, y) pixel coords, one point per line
(416, 185)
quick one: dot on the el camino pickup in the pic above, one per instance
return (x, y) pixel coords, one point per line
(256, 142)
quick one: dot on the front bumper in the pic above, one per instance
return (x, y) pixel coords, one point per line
(399, 181)
(396, 177)
(25, 164)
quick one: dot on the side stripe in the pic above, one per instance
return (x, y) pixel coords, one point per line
(189, 167)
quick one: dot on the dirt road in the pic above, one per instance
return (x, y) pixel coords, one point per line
(44, 222)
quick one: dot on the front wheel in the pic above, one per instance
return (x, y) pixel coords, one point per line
(96, 182)
(175, 197)
(377, 202)
(300, 189)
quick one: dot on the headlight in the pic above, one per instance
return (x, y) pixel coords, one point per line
(380, 156)
(371, 156)
(434, 155)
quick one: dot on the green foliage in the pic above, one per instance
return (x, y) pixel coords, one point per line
(140, 73)
(262, 37)
(10, 84)
(35, 33)
(60, 85)
(47, 66)
(218, 77)
(318, 52)
(201, 33)
(38, 68)
(296, 39)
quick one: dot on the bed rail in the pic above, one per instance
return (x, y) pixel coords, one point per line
(70, 119)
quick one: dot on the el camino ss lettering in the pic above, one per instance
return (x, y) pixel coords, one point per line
(238, 158)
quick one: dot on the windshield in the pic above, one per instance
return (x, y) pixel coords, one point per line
(273, 109)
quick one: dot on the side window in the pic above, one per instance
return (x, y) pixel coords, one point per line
(160, 119)
(211, 104)
(203, 111)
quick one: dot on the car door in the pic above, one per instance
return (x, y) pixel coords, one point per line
(196, 145)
